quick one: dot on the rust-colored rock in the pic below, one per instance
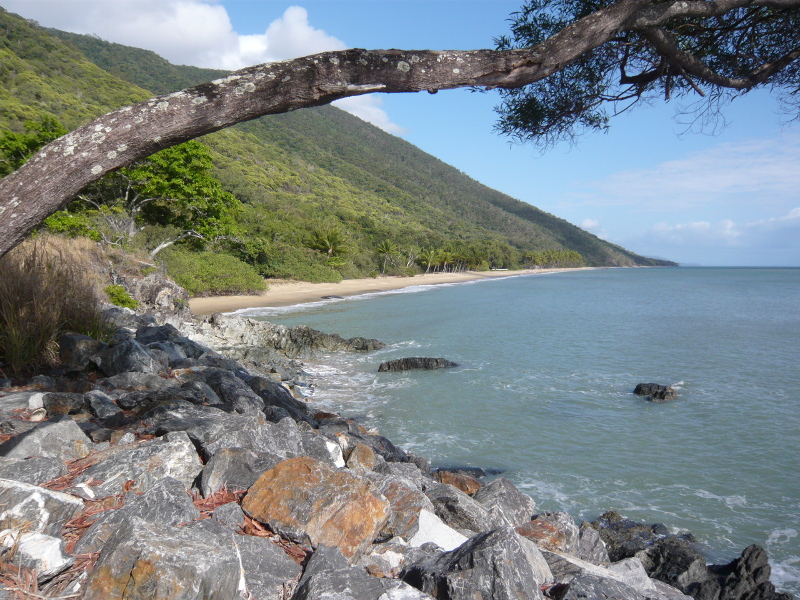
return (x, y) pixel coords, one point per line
(309, 502)
(467, 484)
(361, 456)
(406, 502)
(547, 535)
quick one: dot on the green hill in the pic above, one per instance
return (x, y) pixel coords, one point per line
(300, 175)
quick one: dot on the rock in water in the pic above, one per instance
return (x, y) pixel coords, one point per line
(414, 362)
(655, 392)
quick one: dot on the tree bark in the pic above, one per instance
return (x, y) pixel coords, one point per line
(51, 178)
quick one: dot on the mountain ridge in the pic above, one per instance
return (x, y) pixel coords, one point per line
(302, 170)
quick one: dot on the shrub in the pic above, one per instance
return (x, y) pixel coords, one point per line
(301, 264)
(45, 289)
(119, 296)
(211, 273)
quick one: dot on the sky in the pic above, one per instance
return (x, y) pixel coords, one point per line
(650, 184)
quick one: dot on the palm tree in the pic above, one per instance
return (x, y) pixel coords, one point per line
(445, 258)
(388, 250)
(429, 258)
(330, 240)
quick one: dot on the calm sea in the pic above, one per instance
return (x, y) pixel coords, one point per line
(543, 393)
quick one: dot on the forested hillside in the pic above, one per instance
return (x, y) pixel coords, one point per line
(316, 194)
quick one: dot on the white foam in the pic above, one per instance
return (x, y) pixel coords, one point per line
(730, 501)
(786, 573)
(781, 536)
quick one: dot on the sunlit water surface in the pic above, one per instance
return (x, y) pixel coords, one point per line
(543, 392)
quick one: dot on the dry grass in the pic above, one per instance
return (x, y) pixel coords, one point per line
(48, 285)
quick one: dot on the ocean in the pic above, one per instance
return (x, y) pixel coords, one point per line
(543, 392)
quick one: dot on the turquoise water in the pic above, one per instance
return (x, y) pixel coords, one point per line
(543, 392)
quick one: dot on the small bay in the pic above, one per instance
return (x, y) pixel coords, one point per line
(543, 392)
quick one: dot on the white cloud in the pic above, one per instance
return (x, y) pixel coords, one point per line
(368, 108)
(734, 172)
(790, 220)
(198, 33)
(290, 36)
(182, 31)
(771, 241)
(593, 226)
(697, 233)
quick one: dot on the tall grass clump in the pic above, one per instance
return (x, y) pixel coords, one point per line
(45, 289)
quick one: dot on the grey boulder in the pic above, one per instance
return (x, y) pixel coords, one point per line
(505, 502)
(460, 511)
(76, 350)
(58, 438)
(166, 503)
(35, 470)
(35, 550)
(233, 391)
(496, 565)
(234, 469)
(143, 463)
(29, 507)
(328, 576)
(124, 357)
(144, 560)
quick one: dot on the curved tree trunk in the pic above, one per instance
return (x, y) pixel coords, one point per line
(61, 169)
(51, 178)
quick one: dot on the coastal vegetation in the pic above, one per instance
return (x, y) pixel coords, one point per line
(314, 195)
(567, 67)
(47, 287)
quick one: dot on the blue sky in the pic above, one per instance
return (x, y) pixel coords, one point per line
(648, 184)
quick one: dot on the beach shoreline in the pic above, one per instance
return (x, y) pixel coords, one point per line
(289, 293)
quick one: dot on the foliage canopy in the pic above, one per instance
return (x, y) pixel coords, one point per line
(705, 51)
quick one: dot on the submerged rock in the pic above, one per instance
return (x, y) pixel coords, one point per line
(623, 537)
(655, 392)
(414, 362)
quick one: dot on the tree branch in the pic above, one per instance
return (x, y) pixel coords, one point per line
(51, 178)
(658, 14)
(666, 45)
(170, 242)
(61, 169)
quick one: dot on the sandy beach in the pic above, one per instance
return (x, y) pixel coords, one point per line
(287, 293)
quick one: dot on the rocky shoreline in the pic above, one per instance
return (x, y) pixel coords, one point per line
(180, 460)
